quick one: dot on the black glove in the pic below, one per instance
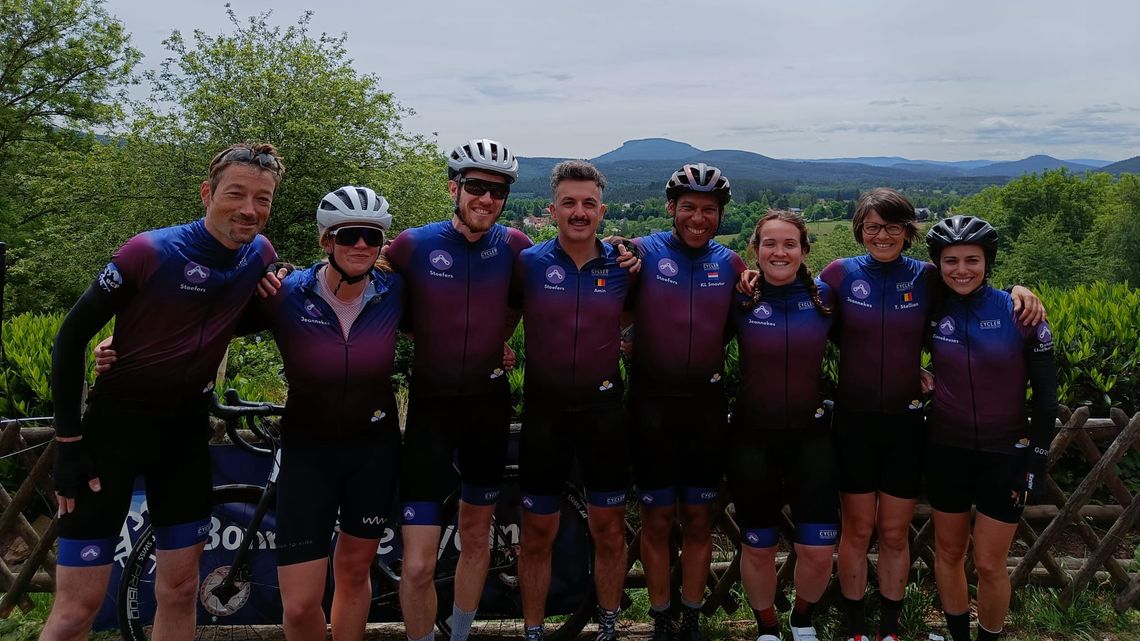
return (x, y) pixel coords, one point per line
(279, 265)
(1029, 483)
(73, 467)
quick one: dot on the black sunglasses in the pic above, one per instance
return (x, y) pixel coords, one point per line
(347, 236)
(477, 188)
(246, 155)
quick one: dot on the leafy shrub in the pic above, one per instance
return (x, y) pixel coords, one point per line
(25, 373)
(254, 369)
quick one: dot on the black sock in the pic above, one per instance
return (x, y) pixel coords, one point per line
(854, 612)
(889, 610)
(690, 617)
(766, 621)
(801, 613)
(986, 635)
(958, 625)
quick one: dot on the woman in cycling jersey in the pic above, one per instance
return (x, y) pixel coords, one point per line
(883, 302)
(336, 324)
(982, 453)
(781, 433)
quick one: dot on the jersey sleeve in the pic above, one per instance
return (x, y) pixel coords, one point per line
(1041, 367)
(738, 264)
(518, 241)
(399, 252)
(518, 278)
(69, 358)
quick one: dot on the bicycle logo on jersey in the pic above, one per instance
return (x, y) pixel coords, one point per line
(440, 259)
(667, 266)
(946, 326)
(762, 311)
(861, 289)
(555, 274)
(196, 273)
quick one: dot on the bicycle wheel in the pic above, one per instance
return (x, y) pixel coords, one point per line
(571, 599)
(252, 612)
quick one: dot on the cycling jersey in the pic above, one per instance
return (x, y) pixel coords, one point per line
(983, 357)
(458, 305)
(338, 388)
(176, 294)
(572, 318)
(882, 310)
(681, 310)
(782, 342)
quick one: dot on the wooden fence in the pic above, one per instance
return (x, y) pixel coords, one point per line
(1069, 520)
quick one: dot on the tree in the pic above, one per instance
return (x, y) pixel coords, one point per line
(334, 126)
(61, 64)
(1042, 254)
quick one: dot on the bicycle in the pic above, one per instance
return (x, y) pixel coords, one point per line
(238, 594)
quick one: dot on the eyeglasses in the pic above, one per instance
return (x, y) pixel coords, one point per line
(477, 188)
(246, 155)
(347, 236)
(893, 229)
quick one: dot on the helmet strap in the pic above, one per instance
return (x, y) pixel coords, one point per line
(344, 276)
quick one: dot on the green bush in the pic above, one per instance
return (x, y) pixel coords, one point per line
(25, 373)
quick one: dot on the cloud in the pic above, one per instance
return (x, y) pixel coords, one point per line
(888, 103)
(891, 127)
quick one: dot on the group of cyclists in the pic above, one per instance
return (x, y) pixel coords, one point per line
(458, 288)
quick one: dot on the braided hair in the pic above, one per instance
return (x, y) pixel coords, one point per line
(803, 273)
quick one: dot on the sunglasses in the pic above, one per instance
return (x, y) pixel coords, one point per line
(347, 236)
(477, 188)
(246, 155)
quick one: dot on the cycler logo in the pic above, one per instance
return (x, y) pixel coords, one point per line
(1044, 333)
(946, 326)
(440, 260)
(555, 275)
(90, 553)
(311, 309)
(667, 267)
(409, 513)
(861, 289)
(762, 311)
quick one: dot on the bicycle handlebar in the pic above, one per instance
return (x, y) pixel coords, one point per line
(235, 411)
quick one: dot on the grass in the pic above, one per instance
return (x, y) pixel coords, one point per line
(25, 626)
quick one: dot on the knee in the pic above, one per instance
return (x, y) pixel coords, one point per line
(296, 612)
(475, 538)
(356, 574)
(991, 568)
(857, 528)
(950, 552)
(697, 523)
(758, 559)
(656, 525)
(538, 534)
(815, 557)
(175, 591)
(417, 571)
(895, 539)
(72, 619)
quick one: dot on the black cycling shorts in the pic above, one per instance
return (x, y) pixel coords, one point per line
(470, 432)
(325, 482)
(170, 451)
(553, 438)
(769, 468)
(958, 478)
(878, 452)
(676, 444)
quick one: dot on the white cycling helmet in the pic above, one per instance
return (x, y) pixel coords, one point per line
(358, 206)
(483, 154)
(700, 178)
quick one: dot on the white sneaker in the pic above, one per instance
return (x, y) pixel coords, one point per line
(804, 634)
(767, 637)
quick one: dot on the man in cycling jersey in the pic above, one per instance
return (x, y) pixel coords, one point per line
(176, 294)
(458, 273)
(677, 398)
(572, 290)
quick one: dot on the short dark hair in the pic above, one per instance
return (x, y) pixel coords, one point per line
(891, 206)
(575, 170)
(257, 152)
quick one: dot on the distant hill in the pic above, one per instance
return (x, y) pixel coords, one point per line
(648, 149)
(1091, 162)
(1030, 165)
(1129, 166)
(899, 161)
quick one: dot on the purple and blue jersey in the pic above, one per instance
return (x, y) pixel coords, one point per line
(458, 305)
(176, 294)
(983, 357)
(682, 303)
(338, 387)
(572, 318)
(782, 342)
(881, 313)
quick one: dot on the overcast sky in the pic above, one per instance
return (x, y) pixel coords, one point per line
(926, 80)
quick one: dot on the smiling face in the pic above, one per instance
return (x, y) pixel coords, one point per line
(237, 208)
(355, 259)
(963, 268)
(696, 217)
(476, 214)
(882, 246)
(577, 209)
(779, 251)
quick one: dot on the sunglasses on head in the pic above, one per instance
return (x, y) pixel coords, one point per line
(347, 236)
(477, 188)
(246, 155)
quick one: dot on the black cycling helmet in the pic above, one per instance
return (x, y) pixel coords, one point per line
(963, 230)
(700, 178)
